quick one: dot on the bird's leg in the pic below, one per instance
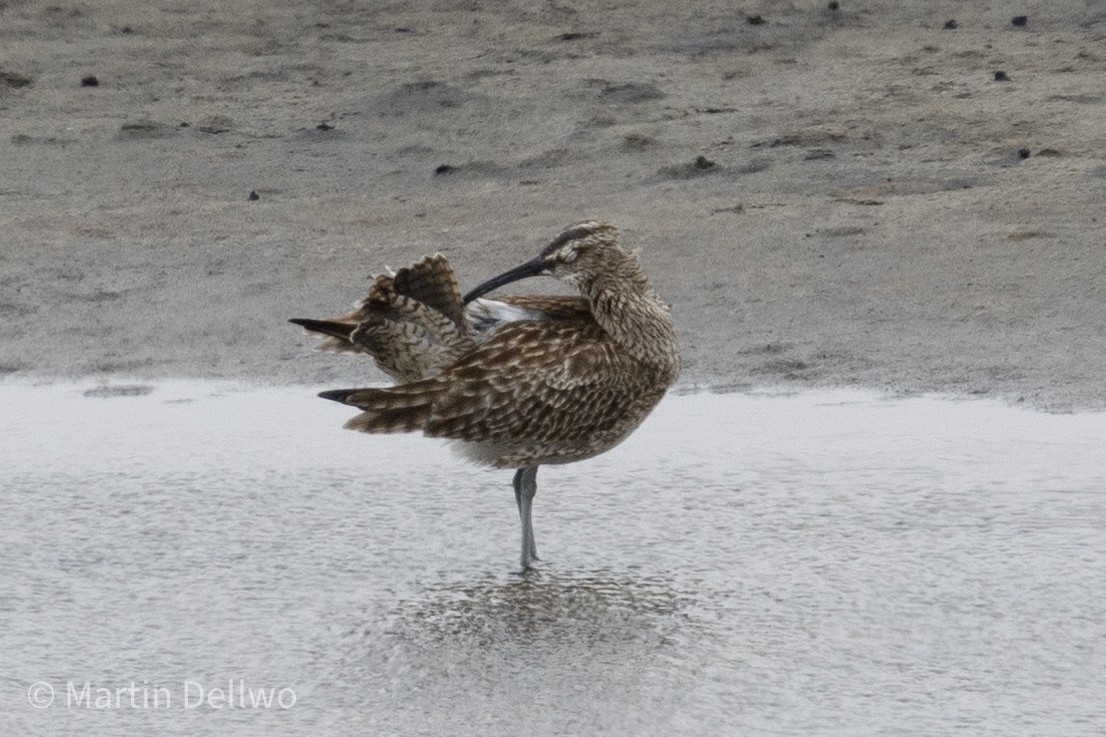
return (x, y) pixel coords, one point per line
(526, 485)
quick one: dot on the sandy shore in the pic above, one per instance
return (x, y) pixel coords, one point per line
(862, 196)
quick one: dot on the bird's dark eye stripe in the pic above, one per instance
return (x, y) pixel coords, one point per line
(575, 234)
(571, 234)
(559, 241)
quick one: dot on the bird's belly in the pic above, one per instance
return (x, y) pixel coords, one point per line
(524, 452)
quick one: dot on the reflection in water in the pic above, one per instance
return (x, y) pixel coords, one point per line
(574, 647)
(543, 608)
(833, 563)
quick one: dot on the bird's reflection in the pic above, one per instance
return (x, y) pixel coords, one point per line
(549, 607)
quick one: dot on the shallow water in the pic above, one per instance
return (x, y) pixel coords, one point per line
(825, 563)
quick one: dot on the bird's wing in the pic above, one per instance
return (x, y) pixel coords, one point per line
(539, 381)
(552, 306)
(487, 315)
(431, 281)
(412, 323)
(337, 332)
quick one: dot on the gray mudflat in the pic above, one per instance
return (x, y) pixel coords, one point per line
(826, 197)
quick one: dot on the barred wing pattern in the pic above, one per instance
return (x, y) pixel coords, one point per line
(412, 323)
(547, 391)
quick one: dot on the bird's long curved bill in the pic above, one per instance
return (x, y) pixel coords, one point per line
(533, 267)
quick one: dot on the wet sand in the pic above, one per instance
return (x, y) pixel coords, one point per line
(855, 196)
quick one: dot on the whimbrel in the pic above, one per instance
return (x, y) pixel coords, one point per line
(519, 381)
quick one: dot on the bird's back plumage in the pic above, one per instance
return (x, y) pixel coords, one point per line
(552, 390)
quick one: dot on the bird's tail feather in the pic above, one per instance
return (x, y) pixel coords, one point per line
(331, 328)
(404, 408)
(336, 332)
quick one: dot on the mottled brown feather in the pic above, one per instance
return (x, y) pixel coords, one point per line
(554, 306)
(549, 391)
(412, 324)
(432, 282)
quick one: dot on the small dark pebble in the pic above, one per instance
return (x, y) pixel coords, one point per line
(403, 29)
(951, 25)
(1024, 153)
(185, 124)
(702, 162)
(444, 169)
(324, 127)
(126, 29)
(1019, 20)
(575, 36)
(90, 82)
(754, 20)
(1001, 76)
(834, 5)
(254, 196)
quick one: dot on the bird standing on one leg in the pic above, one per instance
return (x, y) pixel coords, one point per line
(520, 381)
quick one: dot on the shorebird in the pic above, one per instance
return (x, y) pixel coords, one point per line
(518, 381)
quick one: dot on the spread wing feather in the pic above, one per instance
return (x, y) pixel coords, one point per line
(432, 282)
(413, 323)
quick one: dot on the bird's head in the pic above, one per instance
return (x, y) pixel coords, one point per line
(577, 254)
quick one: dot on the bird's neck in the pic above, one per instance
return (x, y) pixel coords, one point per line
(627, 308)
